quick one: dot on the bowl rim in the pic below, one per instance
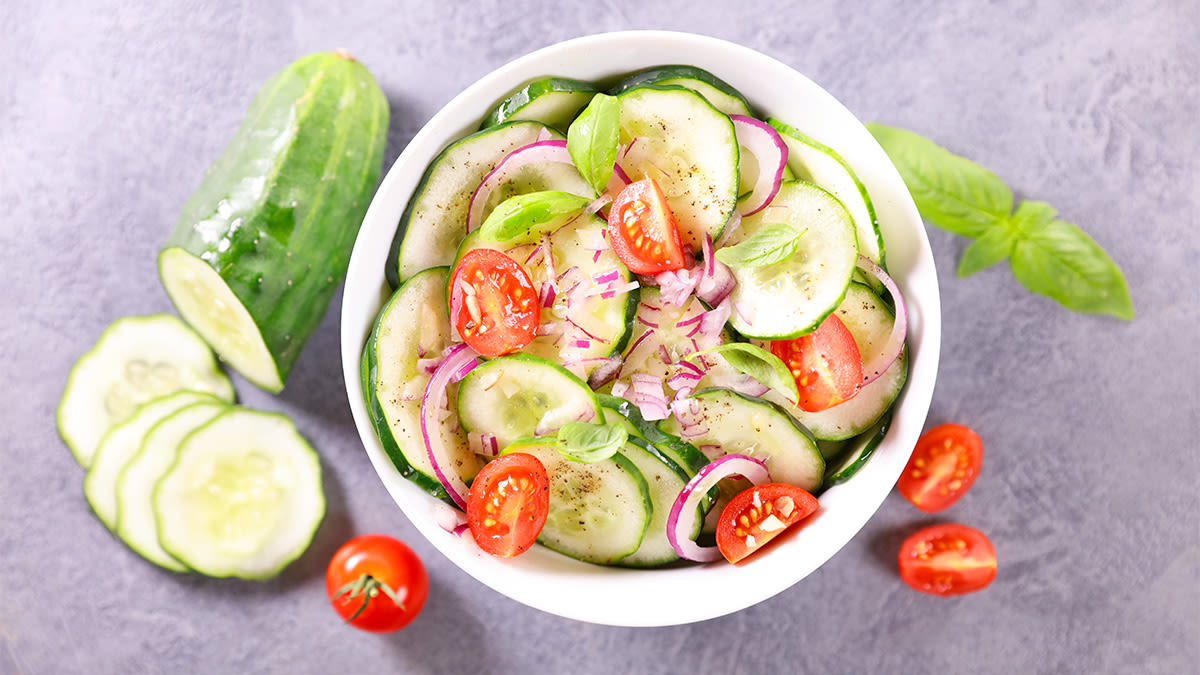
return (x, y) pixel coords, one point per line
(629, 597)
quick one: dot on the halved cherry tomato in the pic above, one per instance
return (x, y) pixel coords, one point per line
(492, 302)
(942, 467)
(757, 515)
(508, 504)
(642, 230)
(826, 364)
(376, 583)
(948, 559)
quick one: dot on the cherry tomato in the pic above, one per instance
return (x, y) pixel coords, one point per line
(492, 302)
(508, 504)
(376, 583)
(757, 515)
(942, 467)
(948, 559)
(826, 364)
(642, 230)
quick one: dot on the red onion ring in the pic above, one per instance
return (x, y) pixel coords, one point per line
(771, 152)
(459, 361)
(895, 344)
(538, 151)
(682, 520)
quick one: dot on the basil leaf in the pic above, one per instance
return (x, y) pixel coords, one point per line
(588, 443)
(951, 192)
(990, 248)
(1060, 261)
(772, 244)
(592, 140)
(758, 363)
(531, 213)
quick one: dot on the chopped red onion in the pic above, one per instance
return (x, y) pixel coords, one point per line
(606, 276)
(717, 282)
(620, 388)
(648, 397)
(682, 519)
(895, 344)
(460, 359)
(675, 286)
(605, 372)
(482, 443)
(768, 148)
(714, 321)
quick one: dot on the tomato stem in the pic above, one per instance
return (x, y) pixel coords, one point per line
(368, 587)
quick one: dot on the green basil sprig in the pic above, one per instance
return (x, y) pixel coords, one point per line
(758, 363)
(531, 214)
(772, 244)
(592, 140)
(1047, 255)
(588, 443)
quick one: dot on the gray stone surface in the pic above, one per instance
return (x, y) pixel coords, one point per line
(109, 114)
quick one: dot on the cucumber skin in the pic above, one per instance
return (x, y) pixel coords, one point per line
(511, 105)
(281, 238)
(660, 74)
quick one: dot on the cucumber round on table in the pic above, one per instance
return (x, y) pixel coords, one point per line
(790, 298)
(598, 511)
(435, 220)
(523, 396)
(414, 321)
(716, 91)
(121, 444)
(243, 498)
(136, 525)
(136, 359)
(263, 243)
(869, 320)
(553, 101)
(689, 147)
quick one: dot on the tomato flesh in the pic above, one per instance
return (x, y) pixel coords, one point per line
(508, 504)
(826, 364)
(757, 515)
(356, 573)
(492, 302)
(642, 230)
(942, 468)
(947, 559)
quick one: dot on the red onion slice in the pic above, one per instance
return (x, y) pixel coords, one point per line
(716, 282)
(538, 151)
(895, 344)
(682, 520)
(769, 149)
(459, 361)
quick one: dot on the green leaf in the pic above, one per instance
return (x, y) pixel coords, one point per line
(758, 363)
(951, 192)
(990, 248)
(531, 214)
(772, 244)
(592, 140)
(1031, 216)
(1060, 261)
(588, 443)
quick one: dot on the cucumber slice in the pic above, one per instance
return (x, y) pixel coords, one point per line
(716, 91)
(243, 498)
(598, 512)
(136, 525)
(758, 428)
(869, 320)
(136, 359)
(818, 163)
(604, 323)
(690, 148)
(414, 321)
(435, 220)
(522, 396)
(682, 453)
(859, 451)
(553, 101)
(792, 297)
(120, 444)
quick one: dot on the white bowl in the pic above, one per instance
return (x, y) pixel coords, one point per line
(559, 585)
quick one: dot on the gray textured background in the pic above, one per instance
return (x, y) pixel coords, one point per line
(110, 113)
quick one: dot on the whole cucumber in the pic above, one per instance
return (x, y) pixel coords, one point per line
(263, 243)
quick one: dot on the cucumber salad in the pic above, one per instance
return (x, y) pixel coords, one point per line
(632, 322)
